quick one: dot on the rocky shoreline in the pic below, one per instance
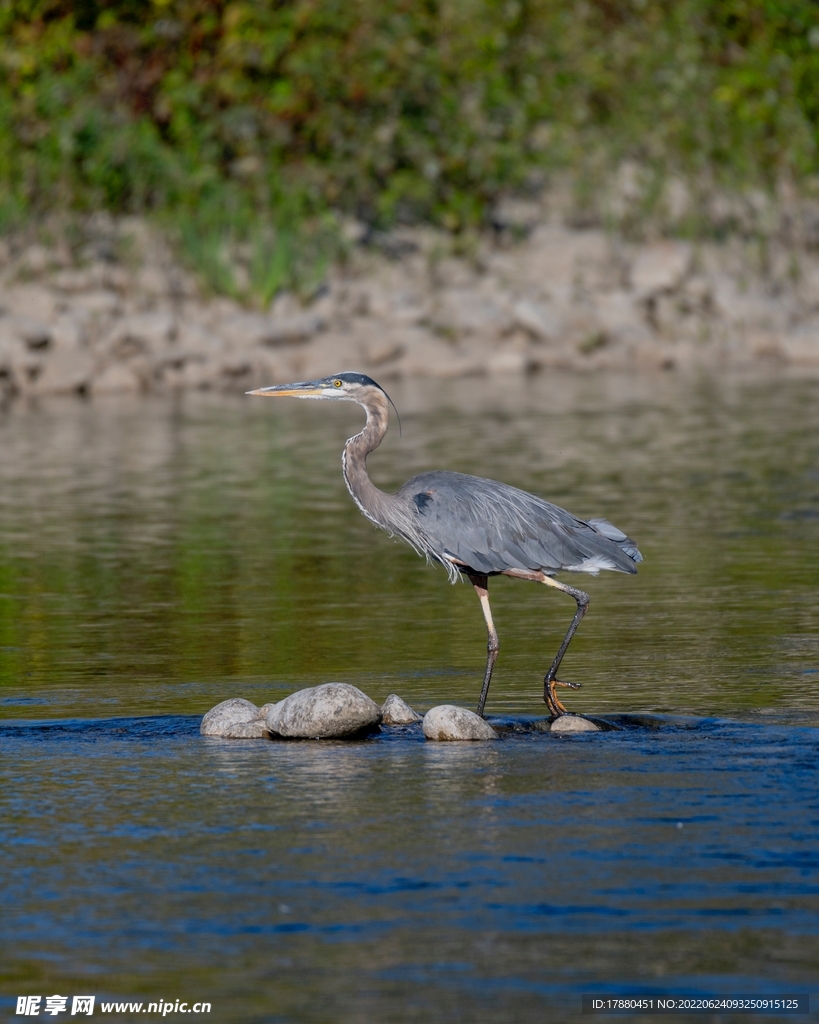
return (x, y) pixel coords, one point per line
(533, 294)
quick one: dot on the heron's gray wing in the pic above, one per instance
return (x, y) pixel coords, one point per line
(491, 527)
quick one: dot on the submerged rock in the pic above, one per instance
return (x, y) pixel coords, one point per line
(395, 711)
(572, 724)
(448, 722)
(255, 730)
(331, 711)
(234, 719)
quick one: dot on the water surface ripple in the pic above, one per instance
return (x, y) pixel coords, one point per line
(159, 556)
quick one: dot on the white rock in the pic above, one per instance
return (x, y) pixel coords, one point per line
(19, 366)
(407, 306)
(116, 379)
(153, 280)
(63, 373)
(698, 292)
(73, 281)
(395, 711)
(33, 332)
(245, 329)
(383, 350)
(100, 301)
(470, 311)
(295, 329)
(183, 374)
(234, 719)
(69, 332)
(31, 300)
(426, 356)
(139, 333)
(508, 360)
(572, 724)
(35, 260)
(11, 351)
(313, 358)
(234, 365)
(449, 722)
(661, 267)
(802, 344)
(619, 313)
(749, 309)
(193, 339)
(557, 256)
(538, 319)
(329, 711)
(452, 272)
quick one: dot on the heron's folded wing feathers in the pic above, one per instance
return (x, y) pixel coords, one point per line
(491, 527)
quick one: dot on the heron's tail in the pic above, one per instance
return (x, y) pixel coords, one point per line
(610, 531)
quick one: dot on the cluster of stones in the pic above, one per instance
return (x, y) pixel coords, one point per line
(339, 711)
(537, 294)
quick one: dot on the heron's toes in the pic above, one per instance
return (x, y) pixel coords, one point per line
(550, 697)
(571, 686)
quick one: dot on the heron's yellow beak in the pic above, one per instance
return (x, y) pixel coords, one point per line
(286, 390)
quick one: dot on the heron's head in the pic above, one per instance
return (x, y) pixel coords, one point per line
(343, 387)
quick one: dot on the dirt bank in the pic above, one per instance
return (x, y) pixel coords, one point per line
(123, 316)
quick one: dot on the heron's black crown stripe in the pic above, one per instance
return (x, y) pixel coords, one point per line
(357, 378)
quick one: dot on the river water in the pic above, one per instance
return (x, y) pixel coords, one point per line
(160, 555)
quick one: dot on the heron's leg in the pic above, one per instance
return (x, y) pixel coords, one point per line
(549, 682)
(481, 585)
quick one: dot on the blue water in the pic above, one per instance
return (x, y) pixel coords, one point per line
(671, 855)
(158, 556)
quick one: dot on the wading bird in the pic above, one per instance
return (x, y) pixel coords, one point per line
(474, 527)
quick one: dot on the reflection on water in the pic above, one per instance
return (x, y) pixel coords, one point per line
(157, 557)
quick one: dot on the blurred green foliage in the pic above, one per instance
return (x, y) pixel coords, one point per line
(256, 117)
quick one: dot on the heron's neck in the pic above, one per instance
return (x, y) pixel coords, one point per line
(354, 460)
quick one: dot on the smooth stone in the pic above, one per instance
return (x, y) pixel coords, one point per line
(255, 730)
(572, 724)
(234, 719)
(661, 267)
(332, 711)
(395, 711)
(449, 722)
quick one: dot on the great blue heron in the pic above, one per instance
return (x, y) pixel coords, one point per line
(474, 527)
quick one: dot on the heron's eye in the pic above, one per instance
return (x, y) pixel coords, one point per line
(336, 383)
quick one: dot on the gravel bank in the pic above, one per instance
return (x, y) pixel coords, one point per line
(535, 294)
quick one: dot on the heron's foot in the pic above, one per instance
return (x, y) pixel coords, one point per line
(572, 686)
(550, 697)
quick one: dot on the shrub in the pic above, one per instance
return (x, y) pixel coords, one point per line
(235, 117)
